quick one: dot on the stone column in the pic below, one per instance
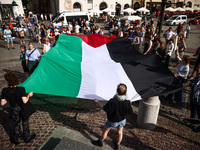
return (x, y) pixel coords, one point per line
(148, 113)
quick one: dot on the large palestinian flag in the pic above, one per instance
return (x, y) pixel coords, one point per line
(91, 67)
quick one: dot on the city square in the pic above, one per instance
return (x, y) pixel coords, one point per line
(72, 123)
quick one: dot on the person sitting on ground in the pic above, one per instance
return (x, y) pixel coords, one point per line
(116, 108)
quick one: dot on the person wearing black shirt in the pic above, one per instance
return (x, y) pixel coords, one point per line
(116, 108)
(16, 96)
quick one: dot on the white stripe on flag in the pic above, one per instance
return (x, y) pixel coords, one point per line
(101, 75)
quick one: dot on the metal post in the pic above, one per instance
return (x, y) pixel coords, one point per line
(162, 15)
(148, 113)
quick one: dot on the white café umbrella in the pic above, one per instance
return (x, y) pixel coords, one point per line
(196, 8)
(95, 11)
(131, 18)
(129, 10)
(142, 9)
(170, 9)
(189, 9)
(108, 10)
(179, 9)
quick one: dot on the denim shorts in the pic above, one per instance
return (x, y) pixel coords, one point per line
(9, 40)
(116, 124)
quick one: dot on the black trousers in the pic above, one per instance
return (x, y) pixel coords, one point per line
(17, 117)
(195, 109)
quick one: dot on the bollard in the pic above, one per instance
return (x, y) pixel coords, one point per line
(148, 113)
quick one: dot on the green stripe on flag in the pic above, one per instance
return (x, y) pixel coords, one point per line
(59, 71)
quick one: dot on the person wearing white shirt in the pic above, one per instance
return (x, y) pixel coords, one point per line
(32, 55)
(169, 35)
(77, 27)
(169, 49)
(21, 34)
(46, 46)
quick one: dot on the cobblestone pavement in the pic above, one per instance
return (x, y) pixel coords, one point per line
(169, 134)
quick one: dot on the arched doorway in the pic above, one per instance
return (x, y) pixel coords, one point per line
(118, 9)
(77, 7)
(126, 6)
(136, 6)
(102, 6)
(189, 4)
(169, 4)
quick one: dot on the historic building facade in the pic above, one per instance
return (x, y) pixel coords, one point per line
(6, 8)
(57, 6)
(192, 3)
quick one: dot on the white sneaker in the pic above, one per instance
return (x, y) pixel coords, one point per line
(39, 42)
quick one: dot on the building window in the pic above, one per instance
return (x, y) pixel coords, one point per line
(102, 6)
(136, 6)
(118, 9)
(90, 1)
(189, 4)
(126, 6)
(6, 10)
(77, 6)
(168, 4)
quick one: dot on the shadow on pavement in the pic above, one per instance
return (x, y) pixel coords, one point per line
(22, 76)
(6, 121)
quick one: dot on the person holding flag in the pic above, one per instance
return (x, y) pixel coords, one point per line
(116, 108)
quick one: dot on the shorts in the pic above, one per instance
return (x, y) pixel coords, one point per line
(30, 30)
(42, 35)
(9, 40)
(21, 37)
(121, 124)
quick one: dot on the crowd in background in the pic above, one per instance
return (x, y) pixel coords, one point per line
(144, 37)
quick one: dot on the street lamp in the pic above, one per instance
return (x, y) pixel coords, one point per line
(163, 4)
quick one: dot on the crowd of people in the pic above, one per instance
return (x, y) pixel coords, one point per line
(144, 37)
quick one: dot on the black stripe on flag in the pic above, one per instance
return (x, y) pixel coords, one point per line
(148, 74)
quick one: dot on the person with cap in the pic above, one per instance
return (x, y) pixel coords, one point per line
(8, 34)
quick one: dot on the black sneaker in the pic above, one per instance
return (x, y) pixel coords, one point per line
(30, 138)
(97, 143)
(14, 141)
(116, 146)
(13, 47)
(8, 48)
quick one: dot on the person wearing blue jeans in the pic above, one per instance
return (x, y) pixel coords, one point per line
(181, 74)
(8, 34)
(177, 95)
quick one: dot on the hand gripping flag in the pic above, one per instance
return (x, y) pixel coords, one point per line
(91, 67)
